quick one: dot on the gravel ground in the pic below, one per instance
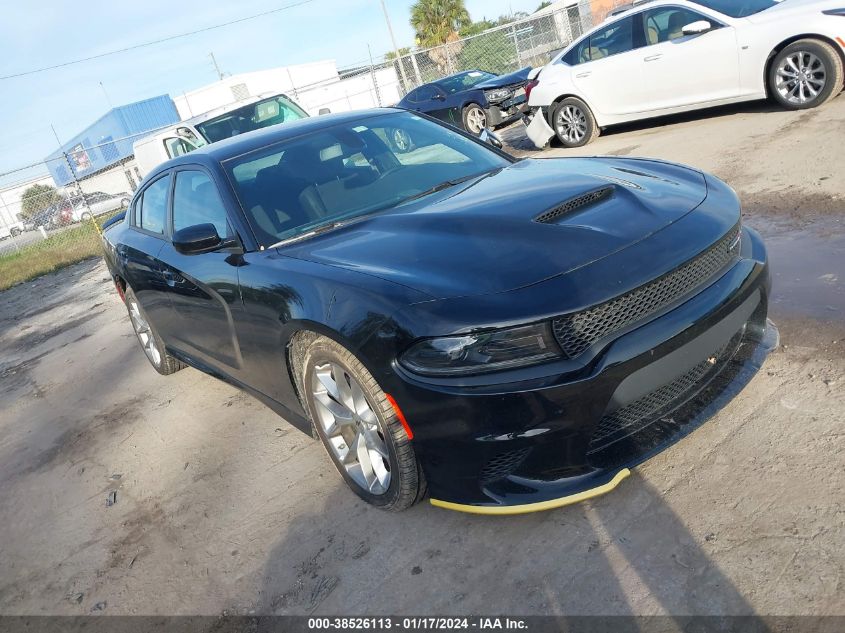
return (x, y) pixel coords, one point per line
(222, 507)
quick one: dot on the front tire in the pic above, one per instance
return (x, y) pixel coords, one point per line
(573, 123)
(400, 141)
(475, 119)
(805, 74)
(149, 339)
(359, 427)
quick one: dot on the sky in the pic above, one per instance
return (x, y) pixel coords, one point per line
(71, 98)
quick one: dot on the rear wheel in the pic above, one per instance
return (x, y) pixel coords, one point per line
(15, 232)
(805, 74)
(359, 427)
(475, 119)
(574, 123)
(149, 340)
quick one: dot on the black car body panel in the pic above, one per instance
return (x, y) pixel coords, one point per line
(433, 100)
(467, 259)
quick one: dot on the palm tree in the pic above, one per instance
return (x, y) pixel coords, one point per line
(437, 22)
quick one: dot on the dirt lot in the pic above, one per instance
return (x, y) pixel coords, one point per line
(223, 507)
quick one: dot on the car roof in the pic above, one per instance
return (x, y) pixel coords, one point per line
(226, 149)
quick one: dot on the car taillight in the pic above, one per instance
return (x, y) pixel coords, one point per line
(529, 87)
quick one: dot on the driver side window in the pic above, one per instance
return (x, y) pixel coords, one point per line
(667, 24)
(197, 201)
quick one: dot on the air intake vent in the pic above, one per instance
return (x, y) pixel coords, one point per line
(575, 204)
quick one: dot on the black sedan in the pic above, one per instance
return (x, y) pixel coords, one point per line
(472, 100)
(505, 335)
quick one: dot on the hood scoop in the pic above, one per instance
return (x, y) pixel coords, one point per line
(574, 204)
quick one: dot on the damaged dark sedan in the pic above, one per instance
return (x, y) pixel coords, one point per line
(503, 336)
(473, 100)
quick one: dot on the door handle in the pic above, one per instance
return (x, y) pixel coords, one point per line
(583, 75)
(652, 58)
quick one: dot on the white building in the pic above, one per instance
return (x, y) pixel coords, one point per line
(315, 86)
(11, 196)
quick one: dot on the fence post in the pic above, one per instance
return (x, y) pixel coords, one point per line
(416, 69)
(373, 76)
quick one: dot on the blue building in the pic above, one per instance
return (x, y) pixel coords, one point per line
(108, 141)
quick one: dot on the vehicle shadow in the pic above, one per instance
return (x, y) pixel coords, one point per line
(628, 553)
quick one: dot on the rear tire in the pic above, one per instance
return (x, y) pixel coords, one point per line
(149, 339)
(805, 74)
(573, 123)
(358, 426)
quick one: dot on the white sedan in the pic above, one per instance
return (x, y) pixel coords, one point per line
(661, 57)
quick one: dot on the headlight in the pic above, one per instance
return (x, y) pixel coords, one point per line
(839, 12)
(483, 352)
(499, 94)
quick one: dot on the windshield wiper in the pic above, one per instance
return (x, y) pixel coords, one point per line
(322, 228)
(446, 185)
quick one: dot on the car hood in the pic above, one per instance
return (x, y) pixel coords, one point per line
(484, 237)
(518, 77)
(789, 8)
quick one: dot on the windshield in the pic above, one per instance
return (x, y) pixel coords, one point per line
(255, 116)
(351, 169)
(738, 9)
(464, 81)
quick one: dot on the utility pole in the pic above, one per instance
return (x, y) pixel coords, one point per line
(106, 95)
(220, 74)
(395, 48)
(73, 175)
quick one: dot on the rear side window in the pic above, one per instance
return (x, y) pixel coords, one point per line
(151, 211)
(197, 201)
(612, 40)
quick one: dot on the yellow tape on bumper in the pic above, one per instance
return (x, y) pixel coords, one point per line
(539, 506)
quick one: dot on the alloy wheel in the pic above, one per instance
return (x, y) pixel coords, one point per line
(144, 333)
(801, 77)
(571, 124)
(476, 120)
(401, 140)
(351, 427)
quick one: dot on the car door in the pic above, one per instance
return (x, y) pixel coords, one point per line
(433, 101)
(681, 70)
(203, 288)
(139, 250)
(606, 69)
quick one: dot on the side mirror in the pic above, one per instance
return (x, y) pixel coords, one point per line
(490, 137)
(197, 239)
(324, 111)
(702, 26)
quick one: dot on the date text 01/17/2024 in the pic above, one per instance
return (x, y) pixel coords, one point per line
(417, 623)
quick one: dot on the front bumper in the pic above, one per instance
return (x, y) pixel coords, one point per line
(501, 113)
(543, 443)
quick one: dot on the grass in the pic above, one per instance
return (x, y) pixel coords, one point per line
(56, 252)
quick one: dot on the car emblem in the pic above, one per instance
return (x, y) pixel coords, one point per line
(712, 360)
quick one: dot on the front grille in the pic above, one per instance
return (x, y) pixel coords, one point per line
(575, 333)
(503, 465)
(637, 415)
